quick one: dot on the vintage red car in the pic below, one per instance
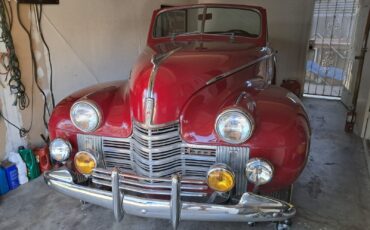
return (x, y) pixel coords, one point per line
(198, 132)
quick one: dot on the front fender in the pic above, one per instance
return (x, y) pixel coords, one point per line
(112, 98)
(281, 135)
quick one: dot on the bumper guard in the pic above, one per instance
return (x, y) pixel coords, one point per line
(251, 207)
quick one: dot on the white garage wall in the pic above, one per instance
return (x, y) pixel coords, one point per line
(91, 41)
(289, 27)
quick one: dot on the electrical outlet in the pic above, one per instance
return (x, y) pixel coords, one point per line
(39, 1)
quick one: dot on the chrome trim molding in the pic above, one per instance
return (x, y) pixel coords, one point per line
(251, 207)
(236, 158)
(149, 110)
(242, 96)
(89, 142)
(149, 97)
(240, 68)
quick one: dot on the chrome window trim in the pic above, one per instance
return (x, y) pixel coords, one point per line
(205, 7)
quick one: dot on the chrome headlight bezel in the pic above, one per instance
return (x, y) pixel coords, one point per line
(248, 118)
(65, 156)
(94, 108)
(264, 166)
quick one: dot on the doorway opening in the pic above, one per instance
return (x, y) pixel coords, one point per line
(330, 57)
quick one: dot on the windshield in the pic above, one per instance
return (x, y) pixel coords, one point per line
(213, 20)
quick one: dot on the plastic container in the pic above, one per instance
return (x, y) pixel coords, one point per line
(11, 173)
(43, 158)
(33, 170)
(16, 159)
(4, 187)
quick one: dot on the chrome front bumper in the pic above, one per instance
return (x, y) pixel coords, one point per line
(251, 207)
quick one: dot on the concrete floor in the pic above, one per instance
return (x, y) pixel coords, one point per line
(332, 193)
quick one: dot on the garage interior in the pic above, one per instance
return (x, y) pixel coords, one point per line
(77, 44)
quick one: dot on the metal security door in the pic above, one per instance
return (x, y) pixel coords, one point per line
(330, 56)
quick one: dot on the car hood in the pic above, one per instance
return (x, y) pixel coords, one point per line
(185, 68)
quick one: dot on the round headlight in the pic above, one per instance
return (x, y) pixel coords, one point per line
(86, 116)
(60, 149)
(85, 162)
(234, 126)
(259, 171)
(220, 178)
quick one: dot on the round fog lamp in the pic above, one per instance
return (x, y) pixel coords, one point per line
(85, 162)
(259, 171)
(60, 149)
(220, 179)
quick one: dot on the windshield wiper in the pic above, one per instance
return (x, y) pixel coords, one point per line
(174, 35)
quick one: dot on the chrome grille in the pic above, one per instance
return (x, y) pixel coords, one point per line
(117, 153)
(157, 152)
(160, 152)
(236, 158)
(151, 186)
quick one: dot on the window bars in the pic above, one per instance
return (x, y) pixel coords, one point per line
(330, 57)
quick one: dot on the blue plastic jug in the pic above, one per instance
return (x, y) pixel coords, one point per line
(4, 188)
(11, 173)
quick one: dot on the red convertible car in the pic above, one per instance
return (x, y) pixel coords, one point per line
(197, 132)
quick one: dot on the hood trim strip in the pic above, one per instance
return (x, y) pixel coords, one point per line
(149, 98)
(240, 68)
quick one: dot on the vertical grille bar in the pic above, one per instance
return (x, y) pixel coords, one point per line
(89, 142)
(236, 158)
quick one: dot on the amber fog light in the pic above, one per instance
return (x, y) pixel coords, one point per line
(220, 178)
(259, 171)
(85, 162)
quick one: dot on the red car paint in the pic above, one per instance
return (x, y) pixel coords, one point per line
(183, 92)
